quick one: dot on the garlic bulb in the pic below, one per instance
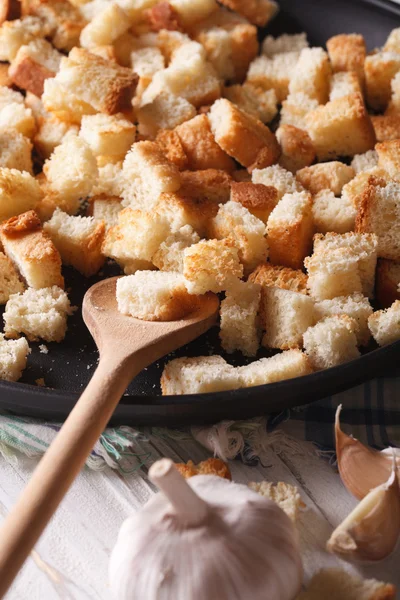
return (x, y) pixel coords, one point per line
(371, 530)
(361, 468)
(205, 538)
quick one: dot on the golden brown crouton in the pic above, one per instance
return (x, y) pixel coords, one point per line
(30, 75)
(163, 16)
(9, 10)
(170, 144)
(259, 12)
(387, 127)
(343, 84)
(268, 275)
(165, 111)
(325, 176)
(211, 466)
(387, 283)
(347, 52)
(209, 184)
(260, 104)
(296, 146)
(389, 158)
(380, 69)
(5, 79)
(259, 199)
(273, 72)
(64, 20)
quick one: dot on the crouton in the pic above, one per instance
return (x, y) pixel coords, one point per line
(211, 265)
(31, 251)
(169, 41)
(169, 256)
(239, 327)
(241, 136)
(19, 118)
(165, 111)
(106, 209)
(258, 12)
(193, 11)
(290, 229)
(379, 213)
(343, 84)
(13, 358)
(388, 158)
(241, 175)
(355, 306)
(341, 127)
(50, 134)
(286, 496)
(284, 43)
(312, 75)
(15, 151)
(296, 147)
(17, 33)
(107, 134)
(200, 375)
(260, 104)
(19, 192)
(285, 316)
(63, 104)
(286, 365)
(147, 174)
(394, 105)
(211, 466)
(110, 181)
(326, 176)
(146, 62)
(340, 584)
(387, 127)
(33, 64)
(200, 147)
(155, 296)
(283, 181)
(333, 214)
(387, 282)
(353, 190)
(38, 314)
(380, 69)
(259, 199)
(209, 184)
(331, 342)
(392, 43)
(10, 10)
(9, 280)
(64, 21)
(347, 52)
(281, 277)
(273, 73)
(364, 162)
(71, 171)
(102, 84)
(5, 79)
(105, 28)
(295, 109)
(163, 16)
(235, 222)
(170, 144)
(385, 324)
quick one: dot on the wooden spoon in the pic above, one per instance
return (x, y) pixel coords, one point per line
(126, 345)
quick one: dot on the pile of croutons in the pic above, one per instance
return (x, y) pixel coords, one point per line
(209, 163)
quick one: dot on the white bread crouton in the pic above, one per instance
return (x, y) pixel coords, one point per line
(394, 104)
(50, 134)
(170, 144)
(341, 127)
(312, 75)
(31, 251)
(260, 104)
(340, 584)
(290, 230)
(105, 27)
(78, 240)
(198, 375)
(273, 73)
(276, 176)
(63, 104)
(344, 84)
(385, 324)
(387, 127)
(284, 43)
(13, 357)
(169, 256)
(286, 365)
(285, 316)
(286, 496)
(258, 12)
(353, 190)
(355, 306)
(347, 52)
(259, 199)
(64, 20)
(17, 33)
(33, 64)
(239, 327)
(387, 282)
(110, 181)
(193, 11)
(364, 162)
(15, 151)
(106, 209)
(331, 342)
(268, 275)
(388, 158)
(392, 43)
(155, 296)
(247, 233)
(9, 96)
(325, 176)
(111, 135)
(380, 69)
(165, 111)
(333, 214)
(295, 109)
(18, 117)
(146, 62)
(9, 280)
(296, 147)
(241, 136)
(211, 265)
(38, 314)
(19, 192)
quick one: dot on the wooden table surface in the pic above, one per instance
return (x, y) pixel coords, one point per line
(71, 560)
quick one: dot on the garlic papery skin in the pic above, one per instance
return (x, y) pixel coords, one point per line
(361, 468)
(205, 538)
(371, 530)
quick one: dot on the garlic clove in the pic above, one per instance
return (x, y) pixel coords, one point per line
(361, 468)
(371, 530)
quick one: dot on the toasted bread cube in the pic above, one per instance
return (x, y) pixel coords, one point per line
(231, 127)
(326, 176)
(284, 43)
(344, 83)
(312, 75)
(63, 19)
(200, 147)
(259, 199)
(13, 358)
(106, 209)
(162, 16)
(50, 134)
(273, 73)
(10, 10)
(295, 108)
(387, 127)
(198, 375)
(14, 114)
(333, 214)
(283, 181)
(379, 213)
(146, 62)
(71, 170)
(331, 342)
(388, 158)
(355, 306)
(32, 251)
(9, 280)
(364, 162)
(209, 184)
(192, 11)
(380, 69)
(165, 111)
(253, 100)
(239, 319)
(169, 256)
(211, 266)
(385, 324)
(392, 43)
(15, 151)
(5, 79)
(285, 495)
(387, 282)
(286, 365)
(108, 134)
(258, 12)
(105, 28)
(110, 181)
(78, 240)
(170, 144)
(354, 190)
(394, 105)
(347, 52)
(38, 314)
(155, 296)
(33, 64)
(296, 146)
(285, 316)
(14, 34)
(147, 174)
(341, 127)
(19, 192)
(63, 104)
(268, 275)
(341, 583)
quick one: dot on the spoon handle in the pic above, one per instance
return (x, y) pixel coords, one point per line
(60, 465)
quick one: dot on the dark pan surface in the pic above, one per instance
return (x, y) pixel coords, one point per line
(68, 366)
